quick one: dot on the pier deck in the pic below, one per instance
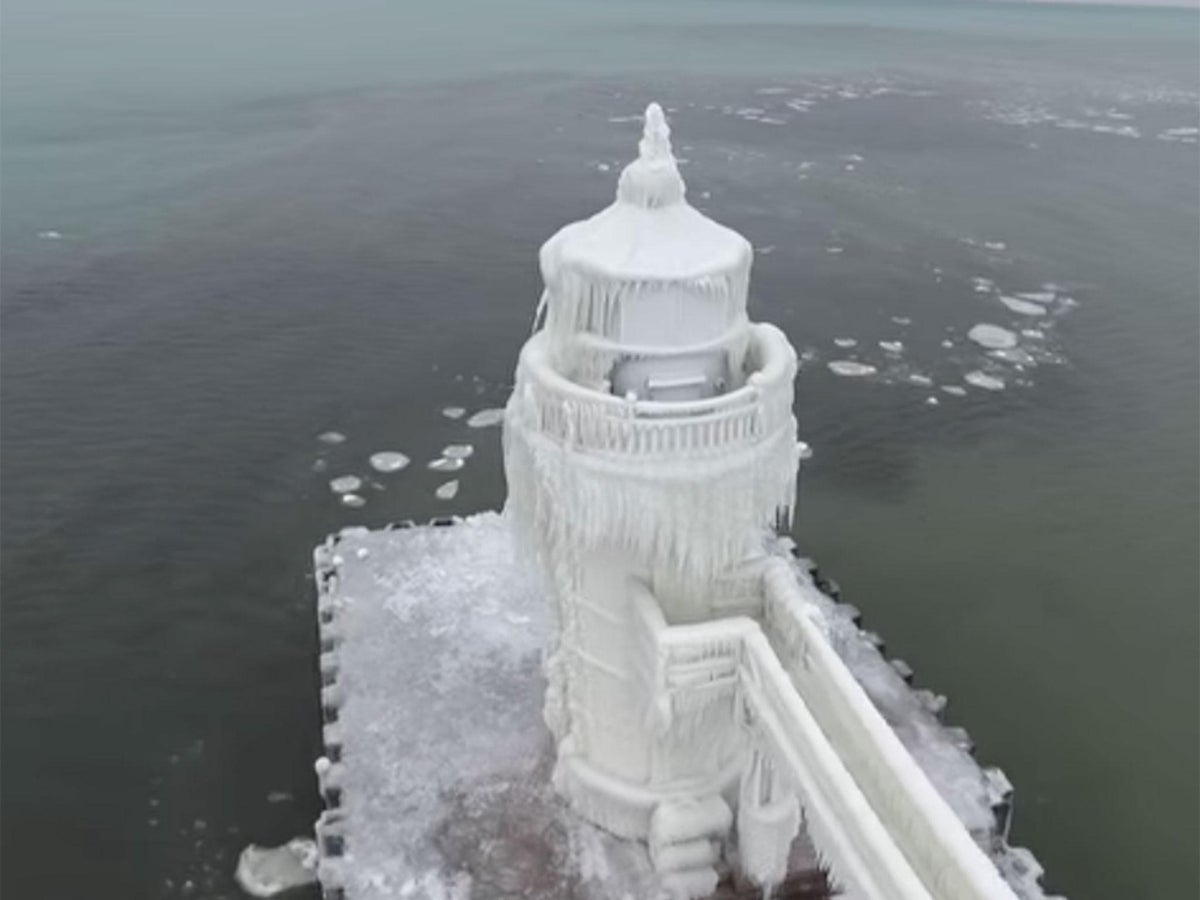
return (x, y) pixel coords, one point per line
(436, 779)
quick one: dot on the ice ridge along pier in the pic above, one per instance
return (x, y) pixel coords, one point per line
(630, 636)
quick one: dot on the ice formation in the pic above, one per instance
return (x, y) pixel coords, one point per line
(331, 437)
(893, 347)
(447, 491)
(458, 451)
(354, 501)
(1023, 306)
(486, 418)
(389, 461)
(992, 336)
(454, 412)
(693, 693)
(267, 871)
(845, 343)
(983, 380)
(850, 369)
(345, 484)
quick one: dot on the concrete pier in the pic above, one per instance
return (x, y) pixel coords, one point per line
(436, 774)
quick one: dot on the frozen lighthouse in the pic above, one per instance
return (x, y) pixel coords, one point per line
(719, 726)
(649, 445)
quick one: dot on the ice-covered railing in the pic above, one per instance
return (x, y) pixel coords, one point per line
(591, 357)
(687, 486)
(589, 420)
(869, 809)
(699, 663)
(932, 838)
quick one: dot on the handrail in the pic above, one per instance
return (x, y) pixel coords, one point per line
(846, 830)
(596, 421)
(871, 812)
(932, 837)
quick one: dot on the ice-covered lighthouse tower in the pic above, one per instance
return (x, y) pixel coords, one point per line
(650, 445)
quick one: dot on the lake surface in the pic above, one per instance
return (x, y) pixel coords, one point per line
(229, 228)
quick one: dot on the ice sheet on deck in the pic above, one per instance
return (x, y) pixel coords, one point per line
(445, 761)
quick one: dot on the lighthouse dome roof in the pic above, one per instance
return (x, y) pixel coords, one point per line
(650, 233)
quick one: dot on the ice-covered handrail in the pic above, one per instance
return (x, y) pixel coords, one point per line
(871, 812)
(933, 839)
(600, 422)
(695, 659)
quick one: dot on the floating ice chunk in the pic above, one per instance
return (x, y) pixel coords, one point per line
(389, 461)
(995, 245)
(267, 871)
(992, 336)
(922, 380)
(354, 501)
(803, 451)
(50, 235)
(1038, 296)
(279, 797)
(983, 380)
(850, 369)
(954, 390)
(947, 343)
(444, 464)
(983, 285)
(902, 320)
(603, 167)
(1035, 333)
(457, 451)
(845, 343)
(1014, 355)
(320, 465)
(486, 418)
(765, 250)
(332, 437)
(932, 401)
(772, 90)
(454, 412)
(1023, 307)
(835, 249)
(447, 491)
(893, 347)
(344, 484)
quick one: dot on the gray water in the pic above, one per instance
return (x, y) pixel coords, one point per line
(230, 227)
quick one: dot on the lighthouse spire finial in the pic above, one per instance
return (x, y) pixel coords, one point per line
(652, 180)
(655, 144)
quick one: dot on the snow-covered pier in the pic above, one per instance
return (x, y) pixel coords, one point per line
(438, 783)
(626, 686)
